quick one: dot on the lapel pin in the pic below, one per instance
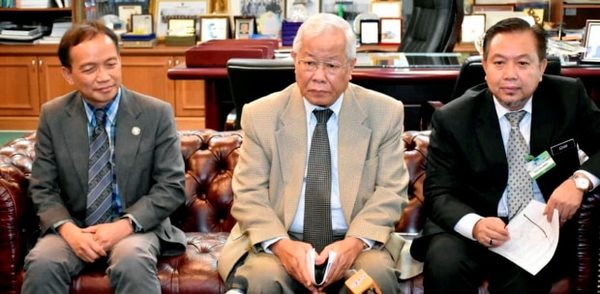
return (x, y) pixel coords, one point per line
(135, 131)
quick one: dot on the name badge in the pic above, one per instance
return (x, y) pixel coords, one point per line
(539, 165)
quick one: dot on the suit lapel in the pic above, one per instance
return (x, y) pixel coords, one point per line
(292, 147)
(127, 142)
(543, 122)
(488, 134)
(76, 138)
(353, 142)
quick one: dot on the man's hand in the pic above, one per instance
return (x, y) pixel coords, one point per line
(490, 232)
(347, 251)
(292, 255)
(82, 243)
(566, 198)
(108, 234)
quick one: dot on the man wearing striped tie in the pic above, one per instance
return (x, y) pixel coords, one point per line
(108, 173)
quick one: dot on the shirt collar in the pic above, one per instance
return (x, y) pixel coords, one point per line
(501, 110)
(110, 108)
(335, 107)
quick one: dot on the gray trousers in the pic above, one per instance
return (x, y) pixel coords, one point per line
(264, 273)
(51, 265)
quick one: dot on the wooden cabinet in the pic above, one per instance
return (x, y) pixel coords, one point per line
(148, 74)
(27, 82)
(31, 75)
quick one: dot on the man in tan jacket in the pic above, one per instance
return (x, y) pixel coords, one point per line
(266, 250)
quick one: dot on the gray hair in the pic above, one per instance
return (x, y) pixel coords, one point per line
(316, 24)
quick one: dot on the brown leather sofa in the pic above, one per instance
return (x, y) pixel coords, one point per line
(210, 158)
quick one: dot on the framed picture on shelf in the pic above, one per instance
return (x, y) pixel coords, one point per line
(243, 27)
(369, 31)
(386, 8)
(175, 9)
(218, 6)
(142, 24)
(268, 15)
(300, 10)
(592, 41)
(214, 28)
(391, 30)
(472, 28)
(125, 11)
(182, 27)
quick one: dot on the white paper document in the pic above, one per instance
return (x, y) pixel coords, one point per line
(533, 239)
(310, 261)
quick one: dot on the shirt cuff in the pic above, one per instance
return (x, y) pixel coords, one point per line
(266, 244)
(367, 244)
(134, 223)
(60, 223)
(466, 224)
(594, 179)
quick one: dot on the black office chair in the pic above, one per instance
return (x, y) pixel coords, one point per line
(434, 26)
(472, 74)
(250, 79)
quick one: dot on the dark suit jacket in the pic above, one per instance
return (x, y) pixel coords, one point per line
(150, 170)
(467, 170)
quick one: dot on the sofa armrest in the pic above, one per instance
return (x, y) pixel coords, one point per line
(16, 212)
(588, 255)
(13, 201)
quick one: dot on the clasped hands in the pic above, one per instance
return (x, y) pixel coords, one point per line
(566, 199)
(95, 241)
(292, 255)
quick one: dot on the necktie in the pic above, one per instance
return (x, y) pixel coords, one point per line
(317, 196)
(99, 198)
(520, 186)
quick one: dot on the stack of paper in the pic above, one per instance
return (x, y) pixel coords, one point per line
(58, 30)
(20, 33)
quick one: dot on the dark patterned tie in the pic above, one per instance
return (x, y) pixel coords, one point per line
(520, 185)
(99, 198)
(317, 197)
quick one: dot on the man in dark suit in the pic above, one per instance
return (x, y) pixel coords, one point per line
(468, 188)
(139, 181)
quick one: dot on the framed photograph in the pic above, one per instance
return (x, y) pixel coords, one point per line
(125, 11)
(268, 15)
(592, 41)
(182, 27)
(173, 9)
(299, 10)
(472, 28)
(391, 30)
(218, 7)
(142, 24)
(369, 31)
(492, 7)
(214, 28)
(387, 8)
(243, 26)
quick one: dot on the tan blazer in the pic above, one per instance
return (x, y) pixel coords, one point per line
(268, 178)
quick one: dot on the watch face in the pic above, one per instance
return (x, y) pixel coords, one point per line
(582, 184)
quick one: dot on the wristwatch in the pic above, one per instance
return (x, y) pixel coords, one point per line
(582, 183)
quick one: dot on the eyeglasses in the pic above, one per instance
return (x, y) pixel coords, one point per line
(330, 67)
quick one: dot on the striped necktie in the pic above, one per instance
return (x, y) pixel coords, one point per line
(100, 176)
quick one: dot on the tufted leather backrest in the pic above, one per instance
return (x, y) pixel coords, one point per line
(210, 158)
